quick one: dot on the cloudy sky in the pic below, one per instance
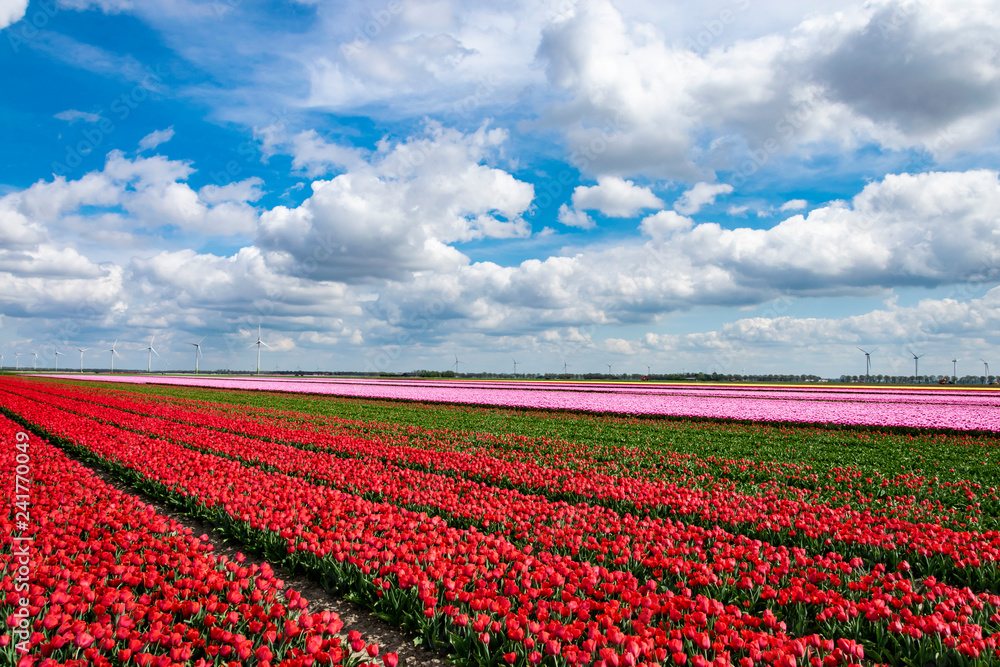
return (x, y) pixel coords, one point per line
(730, 185)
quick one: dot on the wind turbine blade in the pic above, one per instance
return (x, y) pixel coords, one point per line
(202, 338)
(265, 345)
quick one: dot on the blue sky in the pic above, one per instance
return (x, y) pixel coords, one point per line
(733, 185)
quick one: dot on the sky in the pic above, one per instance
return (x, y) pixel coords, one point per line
(739, 186)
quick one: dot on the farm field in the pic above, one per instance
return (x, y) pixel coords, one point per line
(514, 536)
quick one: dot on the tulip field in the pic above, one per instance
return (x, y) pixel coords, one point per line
(967, 408)
(499, 535)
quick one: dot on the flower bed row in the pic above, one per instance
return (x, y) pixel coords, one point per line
(94, 577)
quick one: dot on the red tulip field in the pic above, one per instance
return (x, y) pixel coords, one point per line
(495, 535)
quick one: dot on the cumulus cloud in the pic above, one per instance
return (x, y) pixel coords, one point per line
(895, 73)
(614, 197)
(11, 11)
(574, 218)
(930, 229)
(939, 329)
(403, 210)
(702, 194)
(793, 205)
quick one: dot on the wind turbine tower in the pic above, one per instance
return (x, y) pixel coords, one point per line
(258, 344)
(34, 364)
(114, 353)
(149, 354)
(197, 352)
(57, 359)
(515, 365)
(868, 362)
(457, 362)
(986, 368)
(916, 362)
(954, 368)
(17, 361)
(82, 350)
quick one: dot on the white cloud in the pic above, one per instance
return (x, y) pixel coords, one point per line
(793, 205)
(401, 211)
(152, 193)
(664, 223)
(938, 328)
(11, 11)
(930, 229)
(246, 190)
(155, 138)
(72, 115)
(614, 197)
(702, 194)
(574, 218)
(928, 80)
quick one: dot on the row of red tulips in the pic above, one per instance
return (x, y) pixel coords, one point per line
(460, 585)
(109, 581)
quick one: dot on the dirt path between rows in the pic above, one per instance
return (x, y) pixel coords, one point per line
(355, 617)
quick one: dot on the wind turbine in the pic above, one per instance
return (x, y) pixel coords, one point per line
(197, 352)
(515, 365)
(565, 366)
(457, 362)
(609, 369)
(82, 350)
(34, 365)
(114, 353)
(868, 362)
(17, 361)
(57, 359)
(150, 353)
(986, 368)
(916, 362)
(1, 362)
(954, 368)
(258, 344)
